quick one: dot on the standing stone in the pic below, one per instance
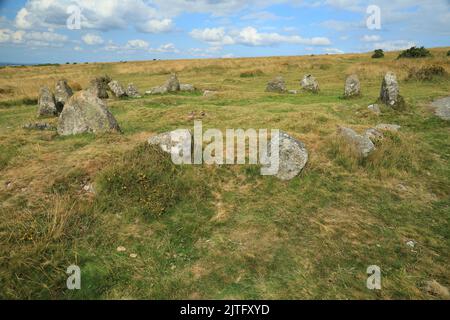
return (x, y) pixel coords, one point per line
(117, 89)
(390, 92)
(442, 108)
(132, 91)
(293, 157)
(361, 143)
(352, 86)
(172, 84)
(99, 86)
(309, 83)
(85, 112)
(276, 85)
(47, 103)
(62, 93)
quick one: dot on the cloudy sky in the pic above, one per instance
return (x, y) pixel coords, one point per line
(42, 31)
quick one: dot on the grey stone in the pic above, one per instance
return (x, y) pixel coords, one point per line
(387, 127)
(362, 144)
(117, 89)
(309, 83)
(85, 112)
(173, 141)
(187, 87)
(374, 108)
(46, 103)
(374, 134)
(157, 90)
(390, 92)
(99, 86)
(132, 91)
(352, 86)
(172, 84)
(276, 85)
(442, 108)
(292, 91)
(436, 289)
(62, 93)
(293, 157)
(38, 126)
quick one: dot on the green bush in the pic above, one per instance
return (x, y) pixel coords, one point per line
(379, 53)
(251, 73)
(415, 52)
(448, 53)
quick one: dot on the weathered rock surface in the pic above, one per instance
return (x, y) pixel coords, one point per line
(187, 87)
(442, 108)
(62, 93)
(276, 85)
(436, 289)
(157, 90)
(374, 108)
(293, 157)
(99, 86)
(46, 103)
(374, 134)
(85, 112)
(132, 91)
(292, 91)
(172, 84)
(173, 141)
(309, 83)
(38, 126)
(117, 89)
(390, 91)
(352, 86)
(387, 127)
(361, 143)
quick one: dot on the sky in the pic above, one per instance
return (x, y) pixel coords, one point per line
(60, 31)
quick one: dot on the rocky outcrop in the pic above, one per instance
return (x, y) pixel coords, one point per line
(46, 103)
(276, 85)
(117, 89)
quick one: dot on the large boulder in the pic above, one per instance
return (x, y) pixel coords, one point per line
(362, 144)
(62, 93)
(276, 85)
(117, 89)
(352, 86)
(293, 156)
(46, 103)
(85, 112)
(172, 84)
(442, 108)
(132, 91)
(309, 83)
(390, 91)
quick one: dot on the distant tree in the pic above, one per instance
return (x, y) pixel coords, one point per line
(415, 52)
(379, 53)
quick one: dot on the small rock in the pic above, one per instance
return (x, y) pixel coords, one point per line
(121, 249)
(293, 92)
(374, 134)
(411, 243)
(209, 93)
(364, 146)
(132, 91)
(133, 255)
(442, 108)
(402, 187)
(309, 83)
(375, 109)
(436, 289)
(38, 126)
(174, 141)
(276, 85)
(388, 127)
(117, 89)
(89, 188)
(9, 185)
(187, 87)
(157, 90)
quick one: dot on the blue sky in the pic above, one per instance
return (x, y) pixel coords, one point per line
(36, 31)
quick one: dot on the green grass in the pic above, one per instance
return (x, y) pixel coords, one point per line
(217, 232)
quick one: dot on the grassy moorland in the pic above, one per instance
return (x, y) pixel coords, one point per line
(225, 231)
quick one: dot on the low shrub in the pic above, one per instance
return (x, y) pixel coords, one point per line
(415, 52)
(251, 73)
(377, 54)
(427, 73)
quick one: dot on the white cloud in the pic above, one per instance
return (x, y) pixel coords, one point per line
(165, 48)
(333, 51)
(33, 38)
(394, 45)
(370, 38)
(250, 36)
(156, 26)
(137, 44)
(78, 48)
(92, 39)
